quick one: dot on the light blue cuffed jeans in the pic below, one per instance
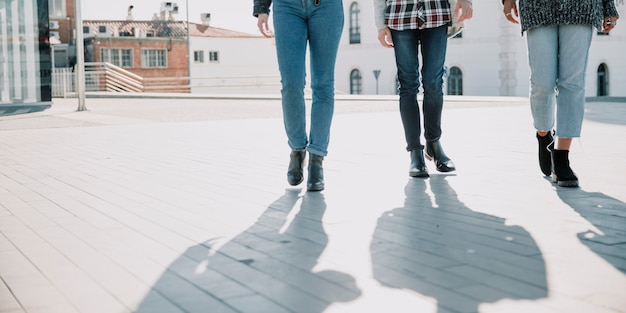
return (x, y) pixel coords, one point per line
(319, 24)
(558, 61)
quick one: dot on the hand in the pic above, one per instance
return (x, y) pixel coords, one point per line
(384, 37)
(510, 11)
(463, 11)
(263, 25)
(608, 23)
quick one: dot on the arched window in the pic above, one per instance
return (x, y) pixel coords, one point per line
(603, 80)
(356, 82)
(355, 30)
(455, 81)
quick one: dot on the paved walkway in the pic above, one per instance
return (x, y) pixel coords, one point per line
(182, 205)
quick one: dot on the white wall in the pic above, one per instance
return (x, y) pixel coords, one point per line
(246, 65)
(492, 55)
(610, 51)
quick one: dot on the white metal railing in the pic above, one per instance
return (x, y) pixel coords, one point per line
(106, 77)
(63, 82)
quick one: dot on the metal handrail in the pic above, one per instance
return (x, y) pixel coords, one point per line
(111, 78)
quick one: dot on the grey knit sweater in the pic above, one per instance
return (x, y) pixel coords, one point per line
(536, 13)
(261, 6)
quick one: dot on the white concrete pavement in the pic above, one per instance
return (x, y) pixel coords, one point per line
(181, 205)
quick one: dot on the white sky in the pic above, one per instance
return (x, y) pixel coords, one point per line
(228, 14)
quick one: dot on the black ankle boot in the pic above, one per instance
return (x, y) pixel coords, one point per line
(562, 174)
(418, 165)
(545, 155)
(316, 173)
(434, 151)
(295, 173)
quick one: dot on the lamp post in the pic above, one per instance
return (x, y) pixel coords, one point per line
(188, 50)
(80, 56)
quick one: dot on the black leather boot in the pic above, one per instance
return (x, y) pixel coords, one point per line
(545, 155)
(295, 173)
(316, 173)
(434, 151)
(418, 165)
(562, 174)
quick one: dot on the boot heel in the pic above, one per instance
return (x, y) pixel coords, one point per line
(546, 145)
(562, 173)
(434, 152)
(316, 173)
(295, 173)
(418, 165)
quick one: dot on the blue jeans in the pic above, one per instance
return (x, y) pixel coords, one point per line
(296, 24)
(558, 60)
(432, 44)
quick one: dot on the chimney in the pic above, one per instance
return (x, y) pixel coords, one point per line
(206, 19)
(129, 17)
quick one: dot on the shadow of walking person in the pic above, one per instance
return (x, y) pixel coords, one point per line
(608, 215)
(439, 248)
(266, 268)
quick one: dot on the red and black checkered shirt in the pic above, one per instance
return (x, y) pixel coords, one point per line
(417, 14)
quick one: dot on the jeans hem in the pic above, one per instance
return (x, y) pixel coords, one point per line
(317, 151)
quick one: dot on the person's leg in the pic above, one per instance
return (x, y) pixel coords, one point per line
(542, 45)
(325, 25)
(405, 45)
(291, 41)
(433, 45)
(407, 63)
(543, 59)
(574, 42)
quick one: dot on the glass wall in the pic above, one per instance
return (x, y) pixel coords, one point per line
(25, 63)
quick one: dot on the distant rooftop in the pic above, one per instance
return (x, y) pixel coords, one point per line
(158, 28)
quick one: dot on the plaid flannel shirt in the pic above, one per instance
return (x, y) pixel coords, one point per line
(417, 14)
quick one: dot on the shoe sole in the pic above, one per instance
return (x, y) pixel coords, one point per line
(314, 189)
(421, 175)
(567, 183)
(440, 169)
(296, 183)
(564, 183)
(446, 169)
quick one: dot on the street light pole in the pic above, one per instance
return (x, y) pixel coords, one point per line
(188, 50)
(80, 56)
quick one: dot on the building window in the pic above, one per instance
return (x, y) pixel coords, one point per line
(355, 30)
(455, 81)
(154, 58)
(118, 57)
(198, 56)
(214, 56)
(56, 8)
(603, 80)
(356, 82)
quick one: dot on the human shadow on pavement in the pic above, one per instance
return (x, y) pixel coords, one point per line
(266, 268)
(605, 213)
(436, 246)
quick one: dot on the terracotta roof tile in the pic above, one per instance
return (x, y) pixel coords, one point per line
(166, 29)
